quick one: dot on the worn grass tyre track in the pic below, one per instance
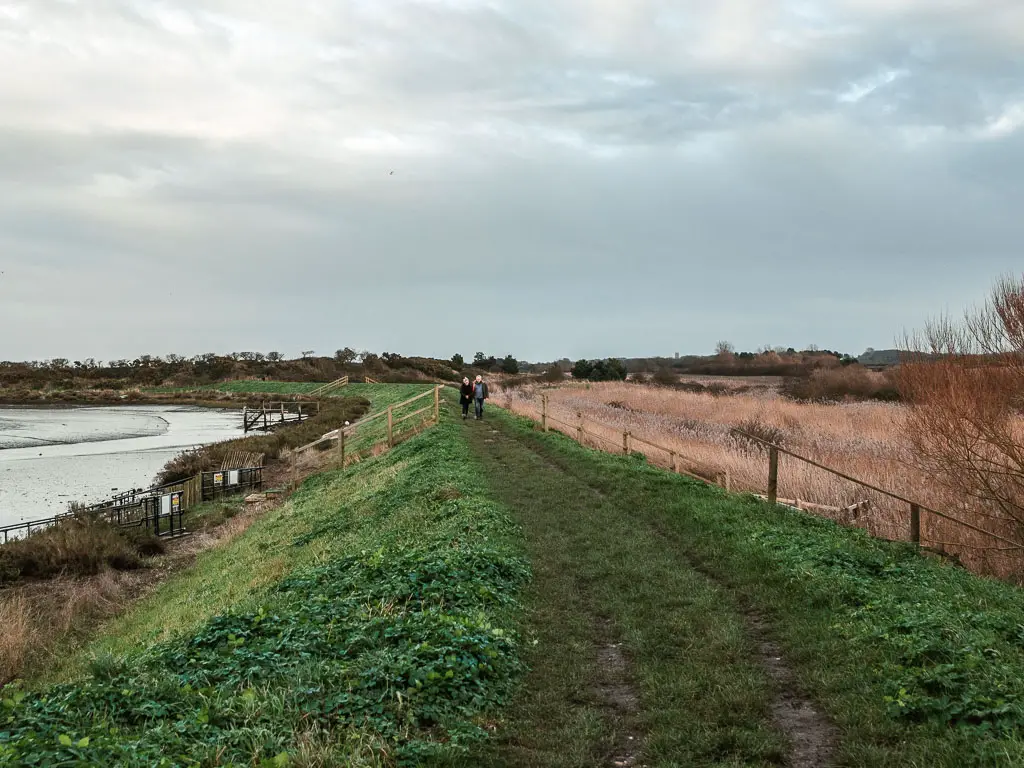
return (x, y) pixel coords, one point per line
(641, 659)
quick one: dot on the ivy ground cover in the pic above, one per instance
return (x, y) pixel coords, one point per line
(388, 638)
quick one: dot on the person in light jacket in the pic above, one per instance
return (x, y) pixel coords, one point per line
(479, 395)
(465, 396)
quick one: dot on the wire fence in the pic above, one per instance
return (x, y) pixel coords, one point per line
(990, 544)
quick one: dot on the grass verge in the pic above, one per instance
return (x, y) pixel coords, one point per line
(367, 621)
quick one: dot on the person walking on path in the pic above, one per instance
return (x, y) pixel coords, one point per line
(465, 396)
(479, 395)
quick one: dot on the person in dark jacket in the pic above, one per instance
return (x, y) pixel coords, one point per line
(479, 395)
(465, 396)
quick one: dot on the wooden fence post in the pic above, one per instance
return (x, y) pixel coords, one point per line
(728, 482)
(544, 412)
(579, 427)
(773, 474)
(675, 462)
(437, 403)
(391, 433)
(915, 524)
(625, 443)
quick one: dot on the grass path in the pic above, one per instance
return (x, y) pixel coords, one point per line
(735, 617)
(638, 658)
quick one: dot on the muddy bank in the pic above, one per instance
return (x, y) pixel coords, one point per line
(51, 456)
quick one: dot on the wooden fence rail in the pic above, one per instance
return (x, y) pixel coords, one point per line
(343, 434)
(274, 414)
(322, 391)
(914, 508)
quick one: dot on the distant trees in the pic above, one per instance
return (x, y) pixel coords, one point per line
(581, 369)
(509, 365)
(458, 361)
(345, 356)
(964, 382)
(666, 377)
(553, 374)
(610, 369)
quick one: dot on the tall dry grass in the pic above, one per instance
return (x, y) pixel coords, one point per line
(864, 440)
(37, 620)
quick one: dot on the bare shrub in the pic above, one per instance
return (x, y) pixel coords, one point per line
(553, 375)
(851, 382)
(186, 464)
(665, 377)
(965, 385)
(80, 546)
(757, 428)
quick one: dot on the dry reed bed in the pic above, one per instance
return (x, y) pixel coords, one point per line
(860, 439)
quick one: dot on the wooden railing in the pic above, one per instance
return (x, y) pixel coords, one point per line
(274, 413)
(628, 438)
(342, 437)
(330, 387)
(914, 508)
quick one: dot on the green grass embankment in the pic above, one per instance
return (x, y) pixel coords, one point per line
(917, 662)
(371, 620)
(367, 620)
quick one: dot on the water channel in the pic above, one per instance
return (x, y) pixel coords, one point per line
(52, 456)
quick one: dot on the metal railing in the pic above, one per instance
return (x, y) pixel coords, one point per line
(159, 509)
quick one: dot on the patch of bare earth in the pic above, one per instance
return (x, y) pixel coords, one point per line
(811, 736)
(616, 693)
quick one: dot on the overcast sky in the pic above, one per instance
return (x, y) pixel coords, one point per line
(534, 177)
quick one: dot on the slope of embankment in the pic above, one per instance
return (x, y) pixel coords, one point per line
(368, 619)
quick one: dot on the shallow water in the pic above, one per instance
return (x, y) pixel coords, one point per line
(50, 457)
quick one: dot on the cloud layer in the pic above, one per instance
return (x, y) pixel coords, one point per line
(535, 177)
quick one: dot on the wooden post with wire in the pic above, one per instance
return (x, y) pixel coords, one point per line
(625, 443)
(437, 403)
(341, 444)
(579, 428)
(915, 524)
(773, 474)
(391, 427)
(544, 412)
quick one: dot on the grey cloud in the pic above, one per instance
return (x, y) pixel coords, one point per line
(589, 177)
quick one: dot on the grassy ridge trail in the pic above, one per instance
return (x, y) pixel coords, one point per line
(639, 658)
(672, 624)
